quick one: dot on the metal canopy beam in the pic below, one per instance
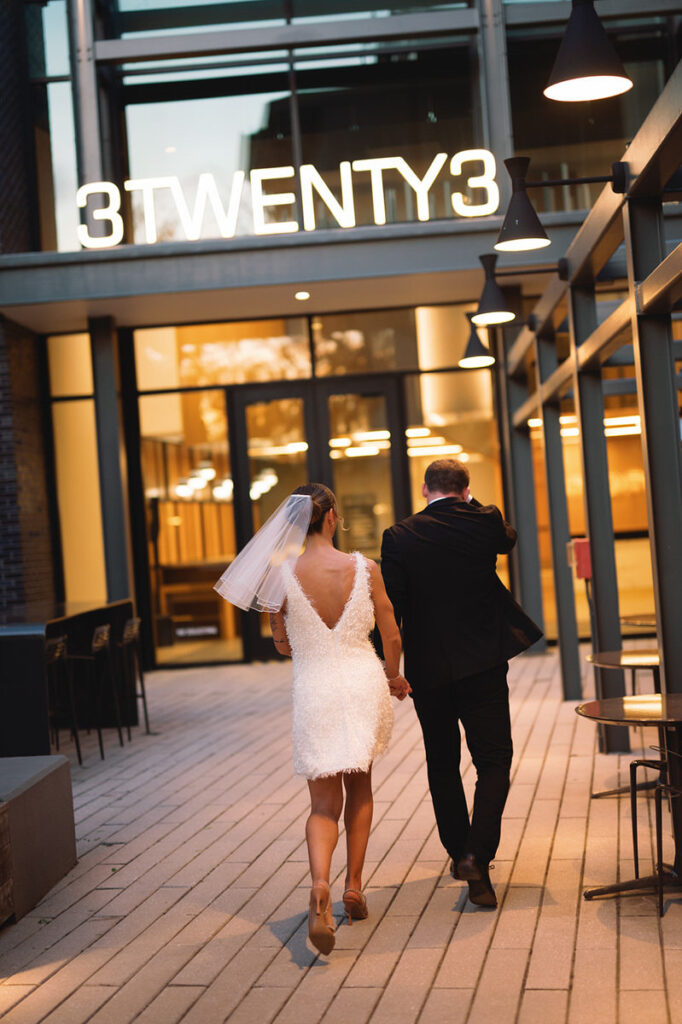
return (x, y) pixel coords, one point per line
(662, 289)
(282, 37)
(589, 407)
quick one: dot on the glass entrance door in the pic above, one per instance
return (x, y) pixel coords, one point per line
(346, 434)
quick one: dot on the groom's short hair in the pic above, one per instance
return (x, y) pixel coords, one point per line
(447, 476)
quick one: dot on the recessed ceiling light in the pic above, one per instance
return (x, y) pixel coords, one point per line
(302, 296)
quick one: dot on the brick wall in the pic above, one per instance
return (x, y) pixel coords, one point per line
(26, 565)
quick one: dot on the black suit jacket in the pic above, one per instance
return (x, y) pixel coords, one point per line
(456, 615)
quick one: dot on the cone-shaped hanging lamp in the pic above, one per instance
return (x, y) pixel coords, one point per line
(586, 67)
(476, 354)
(492, 307)
(521, 229)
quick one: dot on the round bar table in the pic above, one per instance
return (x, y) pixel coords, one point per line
(663, 712)
(632, 659)
(643, 620)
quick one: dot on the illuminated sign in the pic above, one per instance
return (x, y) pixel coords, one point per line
(477, 164)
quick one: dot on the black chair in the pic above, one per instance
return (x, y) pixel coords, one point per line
(659, 766)
(99, 675)
(129, 647)
(61, 702)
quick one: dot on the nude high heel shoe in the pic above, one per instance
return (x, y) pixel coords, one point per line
(320, 921)
(355, 905)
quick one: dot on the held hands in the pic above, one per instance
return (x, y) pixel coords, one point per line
(399, 687)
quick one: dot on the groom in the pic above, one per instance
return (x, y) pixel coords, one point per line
(460, 626)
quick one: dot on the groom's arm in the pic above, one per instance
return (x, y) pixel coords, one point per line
(395, 578)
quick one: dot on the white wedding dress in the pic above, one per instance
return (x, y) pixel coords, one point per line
(342, 713)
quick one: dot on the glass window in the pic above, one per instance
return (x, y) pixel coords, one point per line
(566, 140)
(219, 127)
(230, 353)
(70, 362)
(426, 338)
(125, 17)
(187, 478)
(451, 415)
(413, 103)
(78, 497)
(360, 449)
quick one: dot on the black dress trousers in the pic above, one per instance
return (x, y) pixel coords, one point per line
(481, 703)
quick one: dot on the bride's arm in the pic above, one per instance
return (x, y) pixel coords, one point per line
(390, 634)
(279, 633)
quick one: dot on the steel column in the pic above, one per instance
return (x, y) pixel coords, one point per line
(111, 457)
(657, 398)
(519, 490)
(495, 89)
(589, 407)
(85, 92)
(559, 530)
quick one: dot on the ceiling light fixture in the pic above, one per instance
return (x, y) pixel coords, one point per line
(476, 355)
(302, 296)
(586, 67)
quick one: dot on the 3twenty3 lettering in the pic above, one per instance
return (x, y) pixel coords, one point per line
(311, 183)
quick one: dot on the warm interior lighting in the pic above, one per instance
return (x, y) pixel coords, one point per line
(365, 449)
(492, 307)
(417, 432)
(570, 432)
(183, 489)
(372, 435)
(522, 244)
(339, 442)
(534, 423)
(302, 296)
(206, 469)
(264, 451)
(419, 442)
(437, 449)
(586, 67)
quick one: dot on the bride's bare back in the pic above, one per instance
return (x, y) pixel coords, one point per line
(326, 577)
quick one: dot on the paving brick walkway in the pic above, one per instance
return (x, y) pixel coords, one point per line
(189, 899)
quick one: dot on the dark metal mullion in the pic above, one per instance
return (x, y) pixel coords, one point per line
(567, 625)
(51, 473)
(589, 407)
(518, 488)
(296, 141)
(136, 500)
(241, 503)
(659, 414)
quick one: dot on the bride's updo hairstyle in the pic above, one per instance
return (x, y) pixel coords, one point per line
(323, 501)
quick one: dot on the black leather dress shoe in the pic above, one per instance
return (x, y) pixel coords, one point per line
(477, 876)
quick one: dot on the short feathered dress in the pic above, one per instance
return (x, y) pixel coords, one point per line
(342, 713)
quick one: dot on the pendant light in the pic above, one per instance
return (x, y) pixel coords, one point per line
(492, 307)
(521, 229)
(476, 355)
(586, 67)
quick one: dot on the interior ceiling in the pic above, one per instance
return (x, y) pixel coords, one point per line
(264, 301)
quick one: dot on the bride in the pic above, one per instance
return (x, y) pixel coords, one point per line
(322, 605)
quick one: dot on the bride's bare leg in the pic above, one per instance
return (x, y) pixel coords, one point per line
(358, 820)
(322, 826)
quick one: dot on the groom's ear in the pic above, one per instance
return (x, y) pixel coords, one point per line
(425, 491)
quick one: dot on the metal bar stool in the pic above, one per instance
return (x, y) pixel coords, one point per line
(60, 694)
(129, 646)
(101, 671)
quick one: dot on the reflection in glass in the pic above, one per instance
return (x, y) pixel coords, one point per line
(228, 353)
(412, 103)
(187, 478)
(55, 149)
(360, 449)
(248, 125)
(277, 449)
